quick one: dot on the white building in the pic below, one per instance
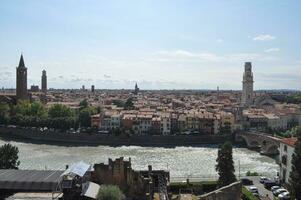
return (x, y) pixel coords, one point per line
(287, 148)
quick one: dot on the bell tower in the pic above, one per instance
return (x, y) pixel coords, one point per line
(21, 86)
(247, 85)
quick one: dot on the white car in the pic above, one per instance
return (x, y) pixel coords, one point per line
(263, 179)
(284, 196)
(253, 189)
(279, 191)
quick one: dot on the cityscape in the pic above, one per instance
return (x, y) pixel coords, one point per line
(148, 133)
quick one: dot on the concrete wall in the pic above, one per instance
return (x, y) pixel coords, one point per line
(230, 192)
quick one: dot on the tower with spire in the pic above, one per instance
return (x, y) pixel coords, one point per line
(136, 89)
(21, 78)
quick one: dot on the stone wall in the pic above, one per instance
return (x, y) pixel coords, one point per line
(100, 139)
(230, 192)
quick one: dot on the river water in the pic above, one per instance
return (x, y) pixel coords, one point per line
(182, 162)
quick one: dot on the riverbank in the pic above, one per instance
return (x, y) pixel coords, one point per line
(94, 139)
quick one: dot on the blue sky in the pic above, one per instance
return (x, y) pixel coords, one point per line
(159, 44)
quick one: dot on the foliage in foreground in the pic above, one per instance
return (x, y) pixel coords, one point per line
(9, 157)
(110, 192)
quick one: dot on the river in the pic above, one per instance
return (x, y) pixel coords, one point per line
(182, 162)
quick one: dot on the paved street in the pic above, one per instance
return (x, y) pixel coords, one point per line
(262, 191)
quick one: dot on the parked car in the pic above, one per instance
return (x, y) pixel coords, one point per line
(263, 179)
(274, 188)
(279, 191)
(268, 184)
(284, 196)
(246, 181)
(253, 189)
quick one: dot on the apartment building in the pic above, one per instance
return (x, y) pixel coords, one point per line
(286, 150)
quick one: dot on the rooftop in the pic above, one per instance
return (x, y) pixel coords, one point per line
(289, 141)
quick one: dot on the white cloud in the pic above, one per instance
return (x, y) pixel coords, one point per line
(220, 40)
(272, 50)
(187, 56)
(262, 37)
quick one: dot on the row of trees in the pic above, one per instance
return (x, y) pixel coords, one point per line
(295, 99)
(57, 116)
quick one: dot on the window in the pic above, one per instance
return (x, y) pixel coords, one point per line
(284, 159)
(285, 148)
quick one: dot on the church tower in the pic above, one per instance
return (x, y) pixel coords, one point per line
(247, 88)
(44, 81)
(21, 86)
(136, 89)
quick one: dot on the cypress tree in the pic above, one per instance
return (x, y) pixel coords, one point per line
(295, 175)
(225, 165)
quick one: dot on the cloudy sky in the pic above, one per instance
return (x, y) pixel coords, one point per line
(160, 44)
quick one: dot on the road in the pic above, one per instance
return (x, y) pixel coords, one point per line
(262, 191)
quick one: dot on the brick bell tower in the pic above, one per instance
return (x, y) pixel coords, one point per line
(21, 86)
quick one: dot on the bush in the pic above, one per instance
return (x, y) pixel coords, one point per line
(197, 187)
(249, 173)
(110, 192)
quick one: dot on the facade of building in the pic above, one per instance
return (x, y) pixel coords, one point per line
(21, 86)
(139, 184)
(44, 81)
(287, 148)
(34, 88)
(247, 90)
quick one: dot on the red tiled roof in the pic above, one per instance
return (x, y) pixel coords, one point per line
(289, 141)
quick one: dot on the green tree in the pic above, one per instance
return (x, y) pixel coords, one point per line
(22, 108)
(29, 114)
(83, 104)
(118, 103)
(37, 109)
(85, 116)
(129, 105)
(26, 108)
(4, 113)
(9, 157)
(110, 192)
(295, 175)
(226, 129)
(225, 165)
(60, 110)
